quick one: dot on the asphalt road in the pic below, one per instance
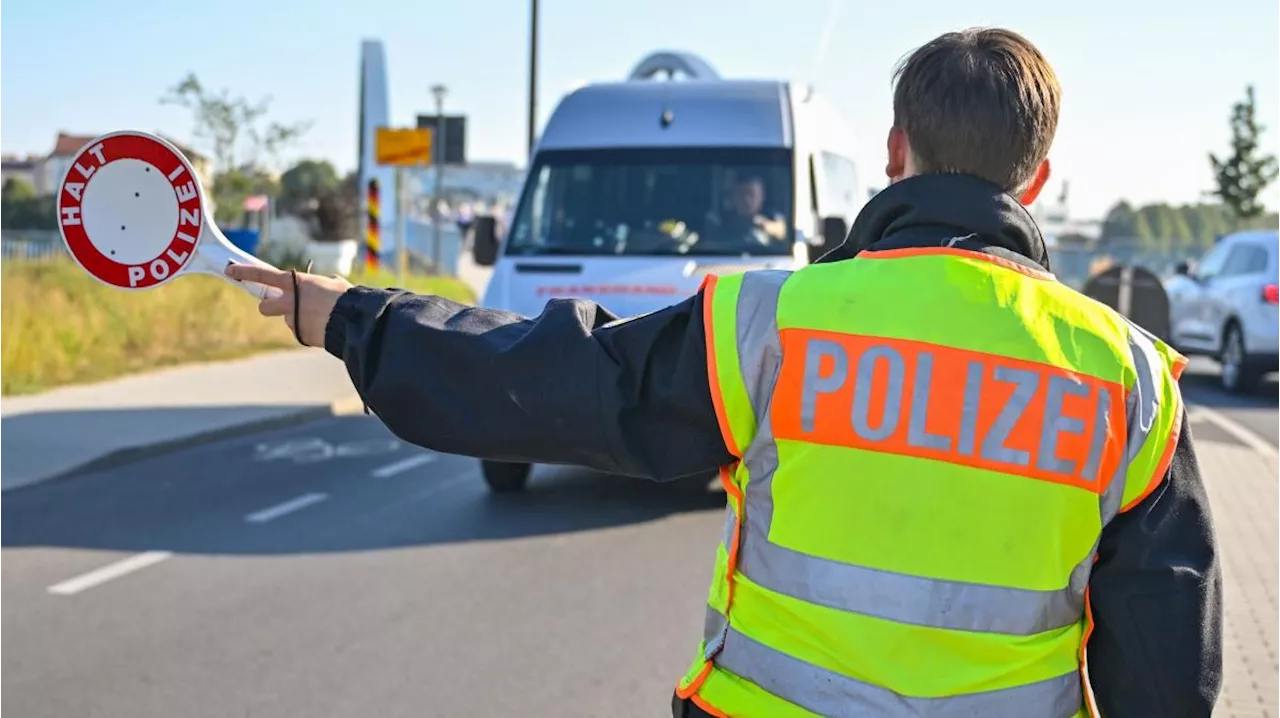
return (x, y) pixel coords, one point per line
(1255, 411)
(390, 589)
(329, 570)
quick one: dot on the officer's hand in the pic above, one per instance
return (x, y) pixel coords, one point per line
(317, 296)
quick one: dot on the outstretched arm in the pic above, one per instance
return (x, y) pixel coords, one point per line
(572, 386)
(576, 385)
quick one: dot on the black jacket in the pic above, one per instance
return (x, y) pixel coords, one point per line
(576, 385)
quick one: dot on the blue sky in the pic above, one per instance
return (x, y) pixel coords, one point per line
(1148, 83)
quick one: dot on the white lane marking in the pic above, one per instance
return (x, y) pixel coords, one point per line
(1232, 427)
(288, 507)
(433, 488)
(403, 465)
(441, 486)
(111, 571)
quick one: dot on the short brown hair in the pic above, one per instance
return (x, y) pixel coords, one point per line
(982, 101)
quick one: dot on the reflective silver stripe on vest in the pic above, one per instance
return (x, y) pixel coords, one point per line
(1144, 399)
(713, 630)
(831, 694)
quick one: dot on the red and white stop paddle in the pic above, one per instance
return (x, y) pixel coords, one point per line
(132, 213)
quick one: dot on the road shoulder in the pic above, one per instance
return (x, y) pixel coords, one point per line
(74, 429)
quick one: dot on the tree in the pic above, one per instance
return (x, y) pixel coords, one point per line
(311, 191)
(232, 187)
(21, 208)
(1168, 227)
(337, 214)
(244, 143)
(1142, 230)
(1243, 175)
(1208, 222)
(304, 182)
(17, 189)
(1162, 227)
(1119, 222)
(235, 129)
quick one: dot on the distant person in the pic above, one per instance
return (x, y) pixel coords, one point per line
(955, 486)
(465, 218)
(747, 220)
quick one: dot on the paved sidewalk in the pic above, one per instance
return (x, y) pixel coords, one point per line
(1242, 487)
(472, 274)
(50, 434)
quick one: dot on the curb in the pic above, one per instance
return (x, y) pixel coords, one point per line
(132, 454)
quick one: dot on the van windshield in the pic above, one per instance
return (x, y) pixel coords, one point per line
(667, 201)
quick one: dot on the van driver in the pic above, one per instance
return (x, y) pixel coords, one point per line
(748, 221)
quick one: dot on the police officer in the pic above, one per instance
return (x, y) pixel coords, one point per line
(955, 486)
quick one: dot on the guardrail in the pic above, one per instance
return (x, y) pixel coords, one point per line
(31, 245)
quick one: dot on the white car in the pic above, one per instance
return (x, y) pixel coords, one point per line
(1225, 307)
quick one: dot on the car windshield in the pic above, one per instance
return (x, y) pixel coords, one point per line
(687, 201)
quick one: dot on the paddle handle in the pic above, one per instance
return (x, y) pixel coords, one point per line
(215, 255)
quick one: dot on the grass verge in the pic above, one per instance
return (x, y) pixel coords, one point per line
(60, 326)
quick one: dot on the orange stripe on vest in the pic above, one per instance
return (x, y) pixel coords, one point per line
(932, 402)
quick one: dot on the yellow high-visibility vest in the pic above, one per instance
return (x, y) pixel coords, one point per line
(929, 442)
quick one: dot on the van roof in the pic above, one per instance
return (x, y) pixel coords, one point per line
(703, 113)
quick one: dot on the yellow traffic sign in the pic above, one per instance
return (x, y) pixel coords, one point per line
(407, 147)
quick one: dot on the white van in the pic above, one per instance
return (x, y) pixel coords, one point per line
(637, 190)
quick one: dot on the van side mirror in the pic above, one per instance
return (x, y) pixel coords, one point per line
(1182, 268)
(834, 232)
(484, 240)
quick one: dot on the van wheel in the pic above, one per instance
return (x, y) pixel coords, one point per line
(1238, 374)
(505, 478)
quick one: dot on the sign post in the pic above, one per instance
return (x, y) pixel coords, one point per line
(438, 91)
(402, 228)
(402, 148)
(373, 226)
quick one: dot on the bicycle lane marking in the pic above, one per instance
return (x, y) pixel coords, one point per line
(299, 450)
(313, 449)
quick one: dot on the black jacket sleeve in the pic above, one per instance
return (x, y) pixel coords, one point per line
(575, 385)
(1156, 594)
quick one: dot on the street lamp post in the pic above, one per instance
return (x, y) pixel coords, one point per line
(533, 72)
(437, 158)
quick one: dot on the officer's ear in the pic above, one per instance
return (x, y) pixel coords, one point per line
(1037, 183)
(898, 148)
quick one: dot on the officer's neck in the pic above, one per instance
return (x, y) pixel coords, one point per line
(926, 210)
